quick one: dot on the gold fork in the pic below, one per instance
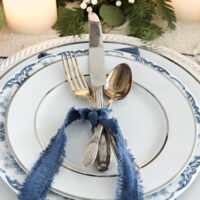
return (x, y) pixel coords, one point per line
(76, 79)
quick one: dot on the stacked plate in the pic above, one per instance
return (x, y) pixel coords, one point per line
(160, 118)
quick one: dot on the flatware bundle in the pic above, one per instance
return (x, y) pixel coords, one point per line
(117, 86)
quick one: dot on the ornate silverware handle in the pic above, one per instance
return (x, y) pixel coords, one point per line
(92, 149)
(104, 153)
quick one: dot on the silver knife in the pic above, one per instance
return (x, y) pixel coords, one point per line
(97, 79)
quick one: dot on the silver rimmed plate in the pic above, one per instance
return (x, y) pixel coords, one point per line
(155, 101)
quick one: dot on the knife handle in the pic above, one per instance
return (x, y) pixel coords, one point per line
(97, 93)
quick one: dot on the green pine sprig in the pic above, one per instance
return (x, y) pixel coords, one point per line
(70, 22)
(167, 13)
(140, 11)
(148, 31)
(140, 16)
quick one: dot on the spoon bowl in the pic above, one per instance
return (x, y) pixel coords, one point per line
(118, 83)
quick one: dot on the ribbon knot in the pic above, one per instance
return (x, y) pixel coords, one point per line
(95, 116)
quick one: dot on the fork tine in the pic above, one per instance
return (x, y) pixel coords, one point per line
(72, 80)
(80, 73)
(75, 66)
(67, 72)
(71, 72)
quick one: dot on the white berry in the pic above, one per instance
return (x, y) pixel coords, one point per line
(131, 1)
(89, 9)
(83, 5)
(118, 3)
(94, 2)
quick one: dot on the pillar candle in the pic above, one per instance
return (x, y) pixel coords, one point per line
(30, 16)
(187, 10)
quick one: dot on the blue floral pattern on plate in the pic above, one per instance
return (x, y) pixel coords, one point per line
(14, 175)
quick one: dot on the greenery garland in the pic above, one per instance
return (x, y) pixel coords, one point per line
(140, 15)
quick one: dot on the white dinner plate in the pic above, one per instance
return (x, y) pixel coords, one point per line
(163, 110)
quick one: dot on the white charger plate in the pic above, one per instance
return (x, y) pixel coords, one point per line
(156, 193)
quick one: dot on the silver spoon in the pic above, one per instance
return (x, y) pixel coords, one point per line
(118, 85)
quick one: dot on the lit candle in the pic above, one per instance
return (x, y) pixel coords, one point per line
(187, 10)
(30, 16)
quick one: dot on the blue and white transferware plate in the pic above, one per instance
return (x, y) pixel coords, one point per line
(160, 119)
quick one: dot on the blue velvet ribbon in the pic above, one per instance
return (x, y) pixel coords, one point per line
(40, 178)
